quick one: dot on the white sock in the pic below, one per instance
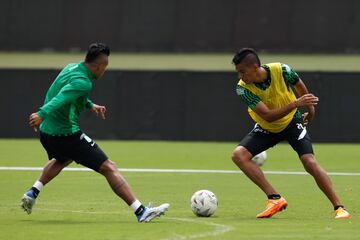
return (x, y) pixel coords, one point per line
(135, 205)
(38, 185)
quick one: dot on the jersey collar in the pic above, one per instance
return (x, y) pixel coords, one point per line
(265, 84)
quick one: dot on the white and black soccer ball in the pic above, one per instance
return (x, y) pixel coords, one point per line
(203, 203)
(260, 158)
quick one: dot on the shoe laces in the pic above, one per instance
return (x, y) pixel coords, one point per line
(150, 204)
(271, 202)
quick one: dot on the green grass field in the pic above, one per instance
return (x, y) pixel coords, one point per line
(181, 61)
(80, 205)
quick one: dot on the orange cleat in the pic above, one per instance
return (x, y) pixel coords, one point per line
(341, 213)
(273, 206)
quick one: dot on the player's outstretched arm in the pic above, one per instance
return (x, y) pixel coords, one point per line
(271, 115)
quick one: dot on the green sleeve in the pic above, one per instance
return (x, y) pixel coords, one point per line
(68, 94)
(89, 104)
(290, 76)
(247, 97)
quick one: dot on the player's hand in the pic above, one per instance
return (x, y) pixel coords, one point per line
(34, 121)
(307, 118)
(99, 110)
(307, 100)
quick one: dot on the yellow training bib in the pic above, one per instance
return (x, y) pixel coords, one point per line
(275, 96)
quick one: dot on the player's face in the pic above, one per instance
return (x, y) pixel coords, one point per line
(249, 73)
(101, 67)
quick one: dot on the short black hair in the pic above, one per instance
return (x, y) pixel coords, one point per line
(242, 53)
(95, 50)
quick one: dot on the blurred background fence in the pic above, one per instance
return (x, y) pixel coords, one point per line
(178, 105)
(181, 25)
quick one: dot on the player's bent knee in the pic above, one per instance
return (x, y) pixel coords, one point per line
(240, 155)
(235, 157)
(107, 166)
(310, 164)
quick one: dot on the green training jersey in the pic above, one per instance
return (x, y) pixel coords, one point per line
(251, 99)
(66, 99)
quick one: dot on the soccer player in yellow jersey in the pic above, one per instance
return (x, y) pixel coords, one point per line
(272, 104)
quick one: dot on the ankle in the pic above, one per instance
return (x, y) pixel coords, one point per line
(137, 207)
(140, 210)
(32, 192)
(274, 196)
(338, 206)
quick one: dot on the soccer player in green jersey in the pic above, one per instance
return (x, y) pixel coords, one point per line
(267, 91)
(64, 142)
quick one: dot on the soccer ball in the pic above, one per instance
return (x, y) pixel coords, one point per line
(260, 158)
(203, 203)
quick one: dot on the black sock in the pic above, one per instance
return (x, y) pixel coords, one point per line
(274, 196)
(140, 210)
(338, 206)
(36, 191)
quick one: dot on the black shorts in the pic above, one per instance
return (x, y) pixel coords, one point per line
(295, 133)
(78, 147)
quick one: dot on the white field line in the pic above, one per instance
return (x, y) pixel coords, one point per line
(155, 170)
(218, 228)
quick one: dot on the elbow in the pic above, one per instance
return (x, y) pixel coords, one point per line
(269, 118)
